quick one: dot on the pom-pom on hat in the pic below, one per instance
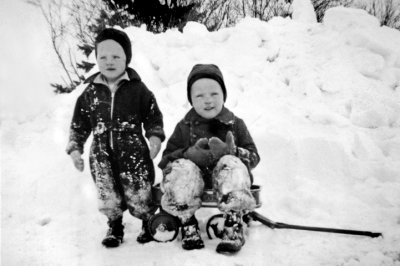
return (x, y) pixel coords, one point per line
(118, 36)
(210, 71)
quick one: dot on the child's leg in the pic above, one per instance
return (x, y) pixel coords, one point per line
(136, 176)
(138, 196)
(182, 186)
(136, 181)
(110, 200)
(232, 184)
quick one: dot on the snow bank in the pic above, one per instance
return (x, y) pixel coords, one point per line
(25, 62)
(322, 103)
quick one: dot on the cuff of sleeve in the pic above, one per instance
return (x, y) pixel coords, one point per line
(240, 151)
(72, 146)
(157, 132)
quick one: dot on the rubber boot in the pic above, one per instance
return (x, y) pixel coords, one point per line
(115, 234)
(232, 237)
(145, 235)
(191, 238)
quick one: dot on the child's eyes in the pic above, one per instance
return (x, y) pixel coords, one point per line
(211, 94)
(113, 57)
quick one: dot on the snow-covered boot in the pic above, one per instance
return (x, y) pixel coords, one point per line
(115, 233)
(145, 235)
(191, 238)
(232, 237)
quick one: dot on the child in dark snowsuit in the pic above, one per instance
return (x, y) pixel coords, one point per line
(114, 106)
(209, 147)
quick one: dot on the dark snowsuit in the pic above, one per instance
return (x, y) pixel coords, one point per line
(119, 156)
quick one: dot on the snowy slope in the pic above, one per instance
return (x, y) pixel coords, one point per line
(322, 102)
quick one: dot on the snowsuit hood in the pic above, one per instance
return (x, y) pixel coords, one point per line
(118, 36)
(200, 71)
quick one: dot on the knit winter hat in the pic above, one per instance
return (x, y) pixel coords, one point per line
(118, 36)
(210, 71)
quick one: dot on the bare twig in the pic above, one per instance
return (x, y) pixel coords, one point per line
(57, 31)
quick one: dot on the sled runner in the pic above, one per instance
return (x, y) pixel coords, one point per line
(165, 227)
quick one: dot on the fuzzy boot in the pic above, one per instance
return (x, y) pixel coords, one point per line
(232, 238)
(115, 233)
(191, 238)
(145, 235)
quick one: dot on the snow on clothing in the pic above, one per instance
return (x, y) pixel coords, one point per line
(193, 127)
(234, 170)
(119, 156)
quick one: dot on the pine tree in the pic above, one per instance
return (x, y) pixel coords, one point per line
(157, 16)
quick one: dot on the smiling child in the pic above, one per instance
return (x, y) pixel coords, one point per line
(210, 147)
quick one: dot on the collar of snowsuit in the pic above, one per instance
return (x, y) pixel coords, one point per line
(225, 117)
(132, 75)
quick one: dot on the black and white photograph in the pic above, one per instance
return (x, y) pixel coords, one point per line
(200, 133)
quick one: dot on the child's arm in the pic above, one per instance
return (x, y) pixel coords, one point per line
(246, 149)
(152, 117)
(175, 148)
(80, 128)
(79, 132)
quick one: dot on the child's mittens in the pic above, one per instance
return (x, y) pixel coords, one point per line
(219, 148)
(155, 146)
(199, 153)
(77, 160)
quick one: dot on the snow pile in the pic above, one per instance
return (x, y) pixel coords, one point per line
(27, 52)
(303, 11)
(322, 102)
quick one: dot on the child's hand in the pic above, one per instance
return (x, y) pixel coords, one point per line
(77, 159)
(198, 153)
(155, 146)
(219, 148)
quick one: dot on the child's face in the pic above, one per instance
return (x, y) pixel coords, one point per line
(207, 97)
(111, 59)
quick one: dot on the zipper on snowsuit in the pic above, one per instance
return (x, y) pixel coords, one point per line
(111, 115)
(113, 92)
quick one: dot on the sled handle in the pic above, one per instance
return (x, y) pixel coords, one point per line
(276, 225)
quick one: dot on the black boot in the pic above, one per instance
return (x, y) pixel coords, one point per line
(232, 238)
(115, 234)
(191, 238)
(145, 235)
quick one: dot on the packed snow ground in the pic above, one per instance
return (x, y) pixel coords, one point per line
(322, 102)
